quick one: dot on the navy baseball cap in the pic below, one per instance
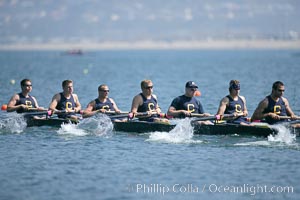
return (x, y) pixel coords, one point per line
(191, 84)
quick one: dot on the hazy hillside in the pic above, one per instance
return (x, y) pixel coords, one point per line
(41, 21)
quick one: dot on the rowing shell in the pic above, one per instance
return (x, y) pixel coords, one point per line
(56, 122)
(144, 127)
(217, 129)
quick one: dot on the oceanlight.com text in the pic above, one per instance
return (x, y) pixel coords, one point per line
(163, 189)
(248, 189)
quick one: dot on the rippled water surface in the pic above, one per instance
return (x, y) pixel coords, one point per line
(91, 161)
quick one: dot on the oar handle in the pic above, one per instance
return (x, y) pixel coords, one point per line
(219, 117)
(30, 114)
(64, 112)
(115, 113)
(50, 113)
(131, 115)
(288, 117)
(229, 116)
(143, 114)
(37, 109)
(140, 114)
(198, 115)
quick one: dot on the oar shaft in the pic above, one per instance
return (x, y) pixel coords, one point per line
(115, 113)
(288, 117)
(49, 113)
(199, 115)
(139, 114)
(37, 109)
(30, 114)
(218, 117)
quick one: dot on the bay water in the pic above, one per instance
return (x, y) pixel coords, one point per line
(91, 161)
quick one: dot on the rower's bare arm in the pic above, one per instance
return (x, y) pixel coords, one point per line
(77, 103)
(245, 111)
(117, 110)
(172, 111)
(88, 112)
(135, 103)
(222, 106)
(11, 106)
(288, 108)
(258, 113)
(177, 113)
(37, 105)
(54, 102)
(157, 109)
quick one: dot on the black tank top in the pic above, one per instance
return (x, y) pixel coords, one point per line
(278, 108)
(148, 104)
(234, 106)
(65, 103)
(28, 101)
(107, 105)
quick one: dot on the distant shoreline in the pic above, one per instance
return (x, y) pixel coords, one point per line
(159, 45)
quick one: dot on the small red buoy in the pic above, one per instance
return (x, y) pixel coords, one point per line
(4, 107)
(197, 93)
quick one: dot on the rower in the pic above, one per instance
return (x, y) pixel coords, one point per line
(23, 101)
(234, 104)
(102, 104)
(146, 101)
(274, 107)
(66, 102)
(186, 104)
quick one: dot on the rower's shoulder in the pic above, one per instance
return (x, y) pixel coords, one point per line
(225, 99)
(16, 95)
(243, 98)
(75, 95)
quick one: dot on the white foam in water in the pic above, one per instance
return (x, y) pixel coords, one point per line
(283, 137)
(182, 133)
(100, 125)
(13, 123)
(71, 129)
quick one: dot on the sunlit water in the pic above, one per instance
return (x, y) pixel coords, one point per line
(92, 161)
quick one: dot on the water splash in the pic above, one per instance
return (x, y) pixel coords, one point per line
(283, 138)
(12, 123)
(71, 129)
(182, 133)
(100, 125)
(284, 135)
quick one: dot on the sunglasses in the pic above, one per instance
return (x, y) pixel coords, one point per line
(148, 87)
(104, 90)
(192, 88)
(280, 90)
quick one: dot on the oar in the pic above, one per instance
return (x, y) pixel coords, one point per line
(31, 114)
(218, 117)
(289, 117)
(214, 117)
(36, 109)
(115, 113)
(199, 115)
(139, 114)
(161, 115)
(50, 113)
(4, 107)
(116, 116)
